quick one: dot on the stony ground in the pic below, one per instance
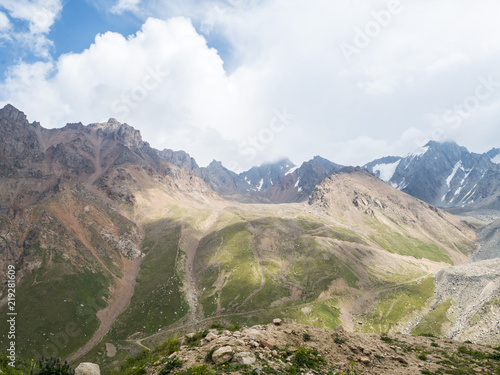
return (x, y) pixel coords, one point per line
(299, 349)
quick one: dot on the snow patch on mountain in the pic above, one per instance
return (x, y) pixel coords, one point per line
(291, 170)
(419, 151)
(261, 182)
(386, 171)
(454, 172)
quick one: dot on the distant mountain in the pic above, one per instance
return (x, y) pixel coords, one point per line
(278, 182)
(299, 183)
(445, 175)
(263, 177)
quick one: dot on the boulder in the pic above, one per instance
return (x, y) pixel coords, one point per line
(87, 368)
(222, 355)
(210, 336)
(277, 321)
(244, 358)
(364, 360)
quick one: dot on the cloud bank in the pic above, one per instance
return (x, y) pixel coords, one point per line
(348, 80)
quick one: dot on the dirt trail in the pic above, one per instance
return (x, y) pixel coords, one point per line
(189, 242)
(124, 292)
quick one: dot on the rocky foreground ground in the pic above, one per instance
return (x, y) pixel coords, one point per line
(299, 349)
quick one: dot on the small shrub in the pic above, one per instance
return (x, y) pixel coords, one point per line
(338, 340)
(168, 347)
(307, 357)
(434, 345)
(233, 327)
(52, 366)
(472, 353)
(495, 356)
(208, 357)
(422, 356)
(171, 364)
(387, 339)
(306, 336)
(195, 340)
(217, 325)
(425, 371)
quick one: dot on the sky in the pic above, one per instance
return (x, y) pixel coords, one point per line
(250, 81)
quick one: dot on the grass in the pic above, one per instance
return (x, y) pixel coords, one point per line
(433, 322)
(158, 300)
(228, 270)
(137, 363)
(402, 243)
(58, 310)
(395, 305)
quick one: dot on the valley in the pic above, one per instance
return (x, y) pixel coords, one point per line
(127, 245)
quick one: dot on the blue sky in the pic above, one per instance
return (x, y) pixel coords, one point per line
(248, 81)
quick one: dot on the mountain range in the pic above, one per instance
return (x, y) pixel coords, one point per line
(118, 245)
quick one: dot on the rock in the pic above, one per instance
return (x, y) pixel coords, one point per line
(87, 368)
(400, 360)
(222, 355)
(244, 358)
(255, 344)
(364, 360)
(277, 322)
(210, 336)
(190, 335)
(265, 344)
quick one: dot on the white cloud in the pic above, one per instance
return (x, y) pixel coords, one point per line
(389, 98)
(164, 80)
(39, 15)
(4, 22)
(125, 5)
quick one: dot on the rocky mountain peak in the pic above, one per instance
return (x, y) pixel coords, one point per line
(124, 133)
(180, 158)
(214, 164)
(12, 114)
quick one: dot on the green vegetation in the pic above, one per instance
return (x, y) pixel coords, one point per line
(136, 363)
(170, 365)
(245, 266)
(158, 300)
(395, 305)
(402, 243)
(198, 370)
(52, 366)
(230, 253)
(386, 339)
(59, 295)
(433, 322)
(305, 357)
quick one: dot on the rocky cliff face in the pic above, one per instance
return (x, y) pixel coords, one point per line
(19, 144)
